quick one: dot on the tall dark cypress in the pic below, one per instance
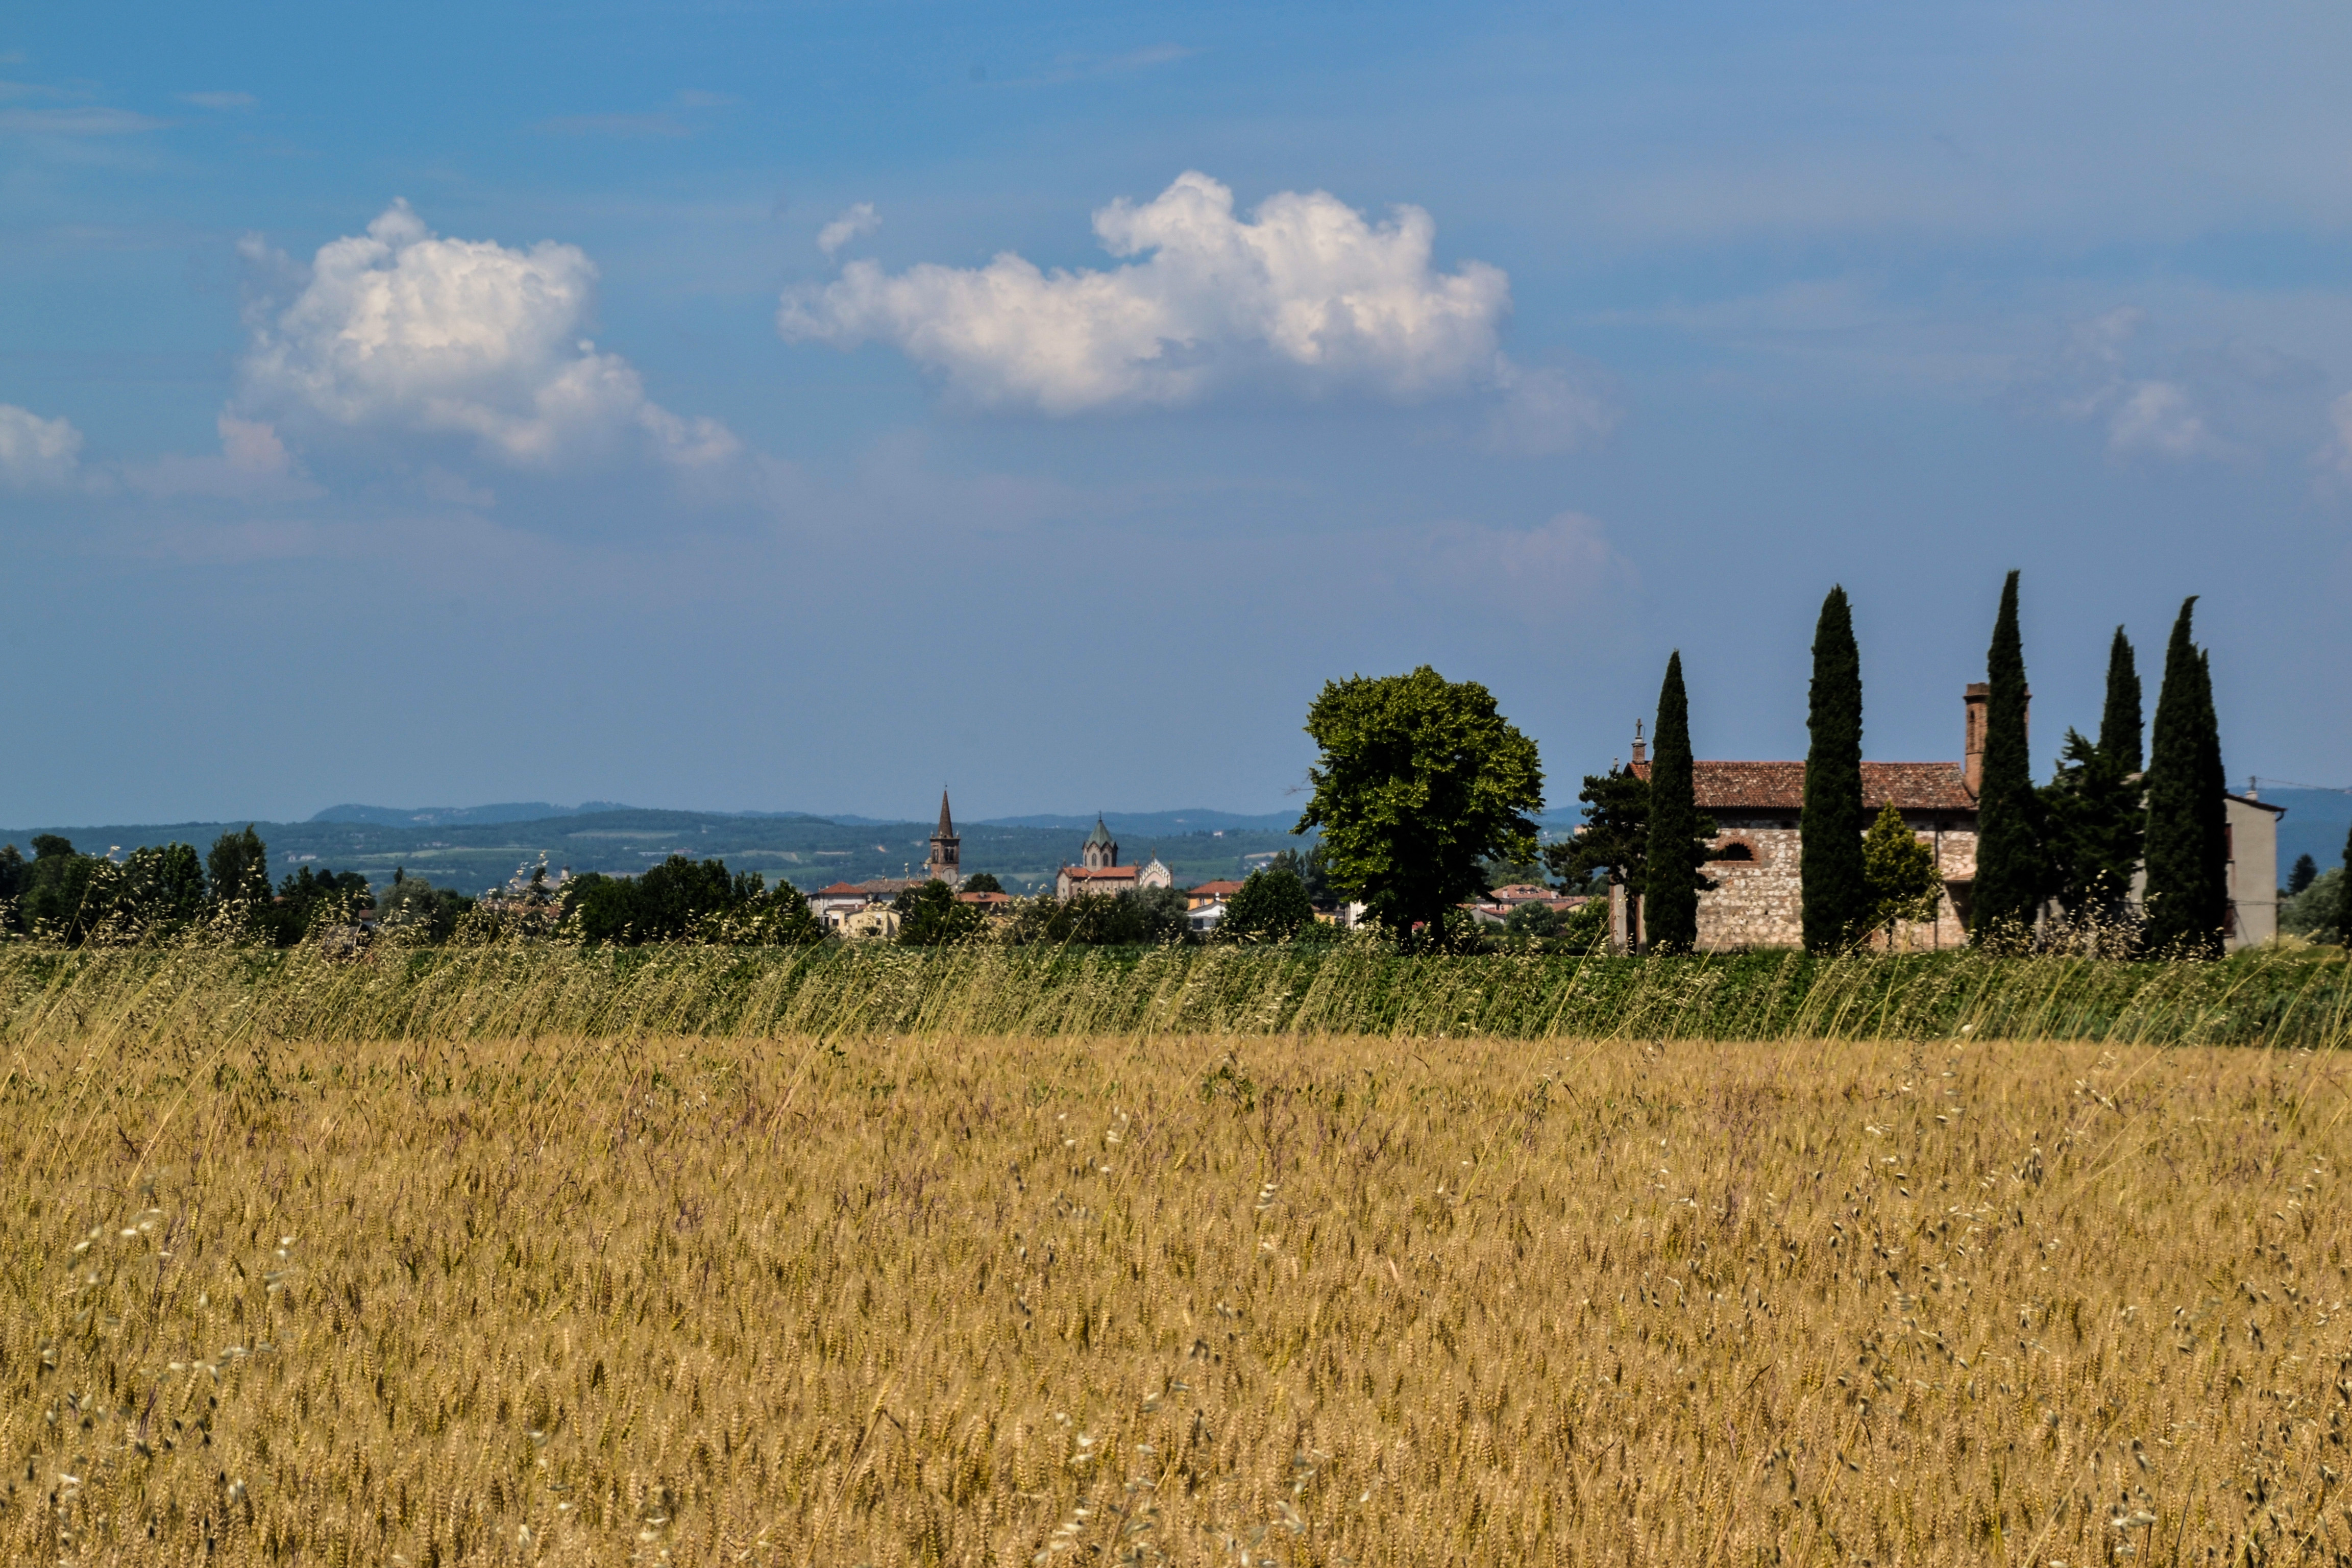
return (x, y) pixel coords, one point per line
(2119, 725)
(1678, 834)
(2188, 897)
(1836, 902)
(2008, 859)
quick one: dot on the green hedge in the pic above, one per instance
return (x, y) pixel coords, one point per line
(2281, 996)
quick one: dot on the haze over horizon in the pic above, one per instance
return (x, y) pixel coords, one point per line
(795, 408)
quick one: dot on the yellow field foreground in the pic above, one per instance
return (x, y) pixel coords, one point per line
(1316, 1301)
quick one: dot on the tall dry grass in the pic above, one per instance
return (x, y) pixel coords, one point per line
(1295, 1301)
(2291, 997)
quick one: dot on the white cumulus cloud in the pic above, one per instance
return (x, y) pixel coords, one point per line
(2159, 417)
(37, 452)
(1305, 290)
(859, 219)
(401, 330)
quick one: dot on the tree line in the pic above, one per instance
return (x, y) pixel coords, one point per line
(1421, 787)
(157, 890)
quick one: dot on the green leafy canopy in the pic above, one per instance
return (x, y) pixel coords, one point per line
(1420, 781)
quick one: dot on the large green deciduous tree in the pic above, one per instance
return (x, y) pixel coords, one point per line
(1419, 783)
(2010, 872)
(1835, 900)
(2188, 896)
(1678, 834)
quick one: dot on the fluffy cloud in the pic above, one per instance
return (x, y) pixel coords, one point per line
(859, 219)
(2158, 416)
(2143, 415)
(1305, 291)
(37, 452)
(401, 330)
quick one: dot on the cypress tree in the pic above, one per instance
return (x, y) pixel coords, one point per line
(2093, 814)
(1836, 898)
(2187, 899)
(1678, 834)
(2009, 868)
(2119, 725)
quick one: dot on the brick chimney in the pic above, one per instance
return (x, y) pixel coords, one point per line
(1976, 695)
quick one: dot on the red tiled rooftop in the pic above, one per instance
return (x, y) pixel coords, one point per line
(1780, 786)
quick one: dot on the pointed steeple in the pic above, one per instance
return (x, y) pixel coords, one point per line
(945, 864)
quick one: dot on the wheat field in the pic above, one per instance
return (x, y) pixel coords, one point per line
(1236, 1302)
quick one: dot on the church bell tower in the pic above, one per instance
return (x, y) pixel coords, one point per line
(945, 864)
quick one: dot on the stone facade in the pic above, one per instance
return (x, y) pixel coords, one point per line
(1755, 859)
(1759, 897)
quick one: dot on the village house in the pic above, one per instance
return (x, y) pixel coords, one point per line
(1098, 870)
(1754, 860)
(1501, 903)
(1211, 892)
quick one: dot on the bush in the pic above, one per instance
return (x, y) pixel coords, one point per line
(416, 909)
(1272, 906)
(929, 915)
(686, 900)
(2315, 912)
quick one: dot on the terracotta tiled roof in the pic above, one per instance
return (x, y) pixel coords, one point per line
(1218, 890)
(1101, 873)
(841, 891)
(988, 899)
(1780, 786)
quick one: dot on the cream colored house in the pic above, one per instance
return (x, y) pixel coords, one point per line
(2252, 838)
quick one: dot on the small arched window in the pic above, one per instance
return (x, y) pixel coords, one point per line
(1732, 849)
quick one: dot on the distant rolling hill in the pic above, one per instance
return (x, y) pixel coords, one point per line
(472, 848)
(1141, 825)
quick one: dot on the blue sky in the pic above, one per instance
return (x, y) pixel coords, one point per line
(739, 407)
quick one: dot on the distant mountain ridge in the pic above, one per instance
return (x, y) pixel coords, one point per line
(1139, 824)
(449, 815)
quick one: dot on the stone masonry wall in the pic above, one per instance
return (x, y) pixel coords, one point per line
(1759, 902)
